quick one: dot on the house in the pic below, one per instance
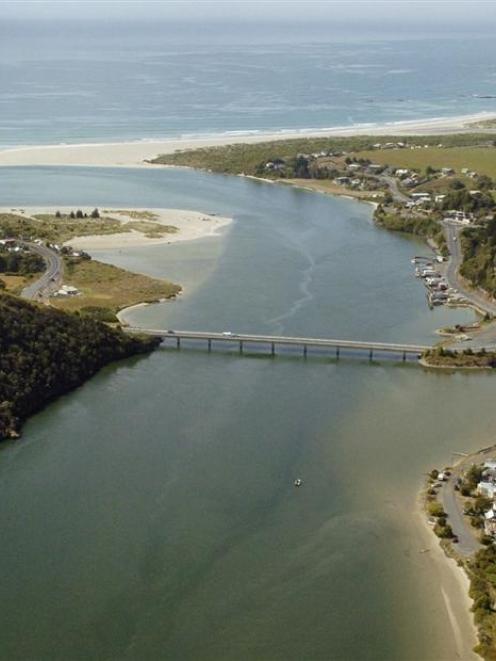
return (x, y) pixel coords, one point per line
(490, 522)
(420, 196)
(487, 489)
(8, 243)
(401, 172)
(439, 198)
(67, 290)
(354, 167)
(342, 181)
(375, 168)
(447, 171)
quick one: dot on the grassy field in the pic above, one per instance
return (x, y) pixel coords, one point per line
(106, 286)
(242, 158)
(59, 230)
(480, 159)
(14, 284)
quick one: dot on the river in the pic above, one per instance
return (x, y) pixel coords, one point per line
(151, 514)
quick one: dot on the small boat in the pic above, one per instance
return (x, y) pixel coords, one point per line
(298, 482)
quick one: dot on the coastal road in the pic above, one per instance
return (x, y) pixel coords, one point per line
(52, 277)
(467, 543)
(486, 337)
(453, 277)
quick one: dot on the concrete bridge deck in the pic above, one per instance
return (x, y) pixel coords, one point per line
(243, 340)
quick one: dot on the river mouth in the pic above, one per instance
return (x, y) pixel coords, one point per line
(154, 509)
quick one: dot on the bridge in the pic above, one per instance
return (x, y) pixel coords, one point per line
(271, 343)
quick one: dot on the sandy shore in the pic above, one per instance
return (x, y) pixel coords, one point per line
(132, 154)
(453, 586)
(190, 225)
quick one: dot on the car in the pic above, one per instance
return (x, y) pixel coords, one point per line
(170, 332)
(227, 334)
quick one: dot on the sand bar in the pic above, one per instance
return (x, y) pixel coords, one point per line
(190, 225)
(132, 154)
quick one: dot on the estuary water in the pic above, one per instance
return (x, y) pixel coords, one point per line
(151, 514)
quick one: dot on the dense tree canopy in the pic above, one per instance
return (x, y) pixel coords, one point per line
(46, 352)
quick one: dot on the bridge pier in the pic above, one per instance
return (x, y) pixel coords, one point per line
(178, 342)
(273, 349)
(305, 351)
(404, 356)
(337, 352)
(371, 354)
(209, 344)
(241, 346)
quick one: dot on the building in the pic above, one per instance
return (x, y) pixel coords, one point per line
(490, 522)
(487, 489)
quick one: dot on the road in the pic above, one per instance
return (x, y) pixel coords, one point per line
(269, 340)
(479, 298)
(460, 524)
(51, 279)
(396, 194)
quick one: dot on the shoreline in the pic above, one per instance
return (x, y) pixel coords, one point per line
(134, 153)
(454, 585)
(188, 226)
(449, 558)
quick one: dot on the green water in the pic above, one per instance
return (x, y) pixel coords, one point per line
(152, 515)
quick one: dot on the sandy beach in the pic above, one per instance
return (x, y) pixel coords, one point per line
(190, 225)
(133, 154)
(453, 586)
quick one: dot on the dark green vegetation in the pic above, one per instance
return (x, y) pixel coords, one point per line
(440, 357)
(482, 572)
(420, 225)
(45, 353)
(479, 255)
(20, 263)
(248, 159)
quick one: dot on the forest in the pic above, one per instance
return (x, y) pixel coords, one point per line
(45, 353)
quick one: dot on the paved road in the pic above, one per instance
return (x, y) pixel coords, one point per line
(452, 275)
(226, 336)
(396, 194)
(467, 543)
(51, 279)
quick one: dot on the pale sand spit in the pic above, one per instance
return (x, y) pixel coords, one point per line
(190, 225)
(133, 154)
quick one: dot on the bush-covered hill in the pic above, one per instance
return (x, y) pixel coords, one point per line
(45, 353)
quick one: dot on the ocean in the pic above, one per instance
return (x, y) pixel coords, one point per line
(89, 82)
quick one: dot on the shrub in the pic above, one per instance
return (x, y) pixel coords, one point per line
(436, 509)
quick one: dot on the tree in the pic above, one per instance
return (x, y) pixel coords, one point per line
(79, 214)
(58, 214)
(95, 213)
